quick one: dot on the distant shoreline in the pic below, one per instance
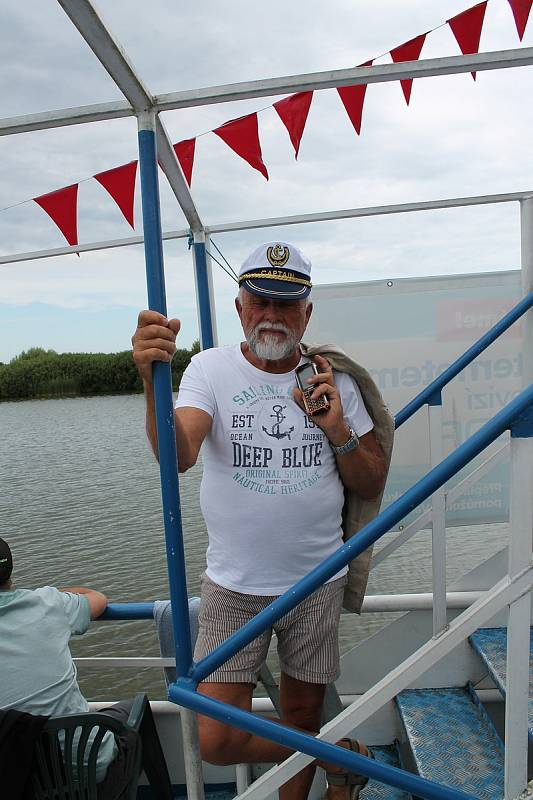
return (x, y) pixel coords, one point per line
(38, 374)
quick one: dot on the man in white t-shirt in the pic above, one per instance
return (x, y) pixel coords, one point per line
(272, 495)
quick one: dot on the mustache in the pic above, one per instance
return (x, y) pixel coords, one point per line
(271, 326)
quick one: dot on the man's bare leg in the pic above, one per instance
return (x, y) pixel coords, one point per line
(221, 743)
(224, 744)
(301, 707)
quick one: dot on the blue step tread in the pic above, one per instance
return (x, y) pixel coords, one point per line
(491, 646)
(453, 741)
(374, 790)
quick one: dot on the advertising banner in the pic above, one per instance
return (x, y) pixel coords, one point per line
(408, 331)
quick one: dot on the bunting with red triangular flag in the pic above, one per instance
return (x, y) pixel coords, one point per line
(293, 113)
(466, 28)
(521, 9)
(120, 183)
(62, 208)
(242, 136)
(353, 98)
(185, 154)
(409, 51)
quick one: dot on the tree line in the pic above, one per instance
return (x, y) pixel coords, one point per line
(38, 373)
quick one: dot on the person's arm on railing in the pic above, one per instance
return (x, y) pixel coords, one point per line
(97, 600)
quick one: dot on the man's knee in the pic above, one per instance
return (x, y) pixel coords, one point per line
(220, 744)
(301, 703)
(308, 719)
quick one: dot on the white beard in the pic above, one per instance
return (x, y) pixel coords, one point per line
(268, 347)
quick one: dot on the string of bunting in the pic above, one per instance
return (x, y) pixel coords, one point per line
(242, 134)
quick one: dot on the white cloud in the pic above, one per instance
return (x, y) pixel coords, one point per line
(456, 138)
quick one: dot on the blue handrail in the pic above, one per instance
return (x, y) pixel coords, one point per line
(367, 535)
(354, 546)
(128, 611)
(517, 416)
(517, 413)
(436, 386)
(419, 787)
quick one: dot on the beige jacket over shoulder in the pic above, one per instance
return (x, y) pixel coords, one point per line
(358, 512)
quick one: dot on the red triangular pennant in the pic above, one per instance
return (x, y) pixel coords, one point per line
(242, 135)
(353, 98)
(120, 183)
(62, 208)
(293, 113)
(409, 51)
(185, 154)
(521, 9)
(466, 28)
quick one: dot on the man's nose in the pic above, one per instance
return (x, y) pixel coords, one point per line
(272, 310)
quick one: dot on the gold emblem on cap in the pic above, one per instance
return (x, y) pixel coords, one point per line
(278, 255)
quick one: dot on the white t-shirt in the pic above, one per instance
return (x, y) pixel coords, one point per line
(271, 494)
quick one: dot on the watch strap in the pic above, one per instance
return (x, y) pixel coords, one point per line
(347, 447)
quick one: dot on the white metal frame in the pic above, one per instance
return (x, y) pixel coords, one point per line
(514, 589)
(274, 222)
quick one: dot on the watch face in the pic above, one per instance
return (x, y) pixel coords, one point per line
(351, 444)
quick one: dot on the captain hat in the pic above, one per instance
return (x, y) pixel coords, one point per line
(277, 270)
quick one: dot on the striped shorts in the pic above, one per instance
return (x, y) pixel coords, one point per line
(308, 646)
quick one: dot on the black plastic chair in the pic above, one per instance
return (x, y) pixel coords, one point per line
(64, 766)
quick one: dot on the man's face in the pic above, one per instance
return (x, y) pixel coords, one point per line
(273, 329)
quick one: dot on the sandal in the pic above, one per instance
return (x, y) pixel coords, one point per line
(352, 779)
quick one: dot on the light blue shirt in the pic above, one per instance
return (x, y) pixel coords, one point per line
(37, 673)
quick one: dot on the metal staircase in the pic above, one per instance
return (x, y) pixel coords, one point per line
(449, 735)
(491, 646)
(452, 740)
(375, 790)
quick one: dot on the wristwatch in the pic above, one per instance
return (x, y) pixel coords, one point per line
(347, 447)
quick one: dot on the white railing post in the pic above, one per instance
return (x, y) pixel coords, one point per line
(520, 549)
(517, 689)
(438, 535)
(191, 754)
(243, 776)
(526, 235)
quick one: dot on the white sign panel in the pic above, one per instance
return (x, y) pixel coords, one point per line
(406, 332)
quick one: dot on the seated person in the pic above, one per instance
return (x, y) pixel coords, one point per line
(39, 676)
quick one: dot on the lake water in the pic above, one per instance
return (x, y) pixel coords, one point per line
(80, 505)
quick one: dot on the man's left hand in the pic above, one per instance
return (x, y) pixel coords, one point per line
(331, 422)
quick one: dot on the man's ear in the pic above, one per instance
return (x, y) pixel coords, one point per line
(308, 312)
(238, 306)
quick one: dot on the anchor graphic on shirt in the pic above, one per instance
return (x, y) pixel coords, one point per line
(280, 417)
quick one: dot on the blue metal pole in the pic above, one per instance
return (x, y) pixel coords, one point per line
(162, 383)
(367, 536)
(464, 360)
(304, 743)
(207, 338)
(127, 611)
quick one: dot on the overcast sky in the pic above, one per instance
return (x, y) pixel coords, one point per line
(457, 138)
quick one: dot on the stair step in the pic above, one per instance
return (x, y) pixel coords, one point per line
(453, 740)
(491, 646)
(374, 790)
